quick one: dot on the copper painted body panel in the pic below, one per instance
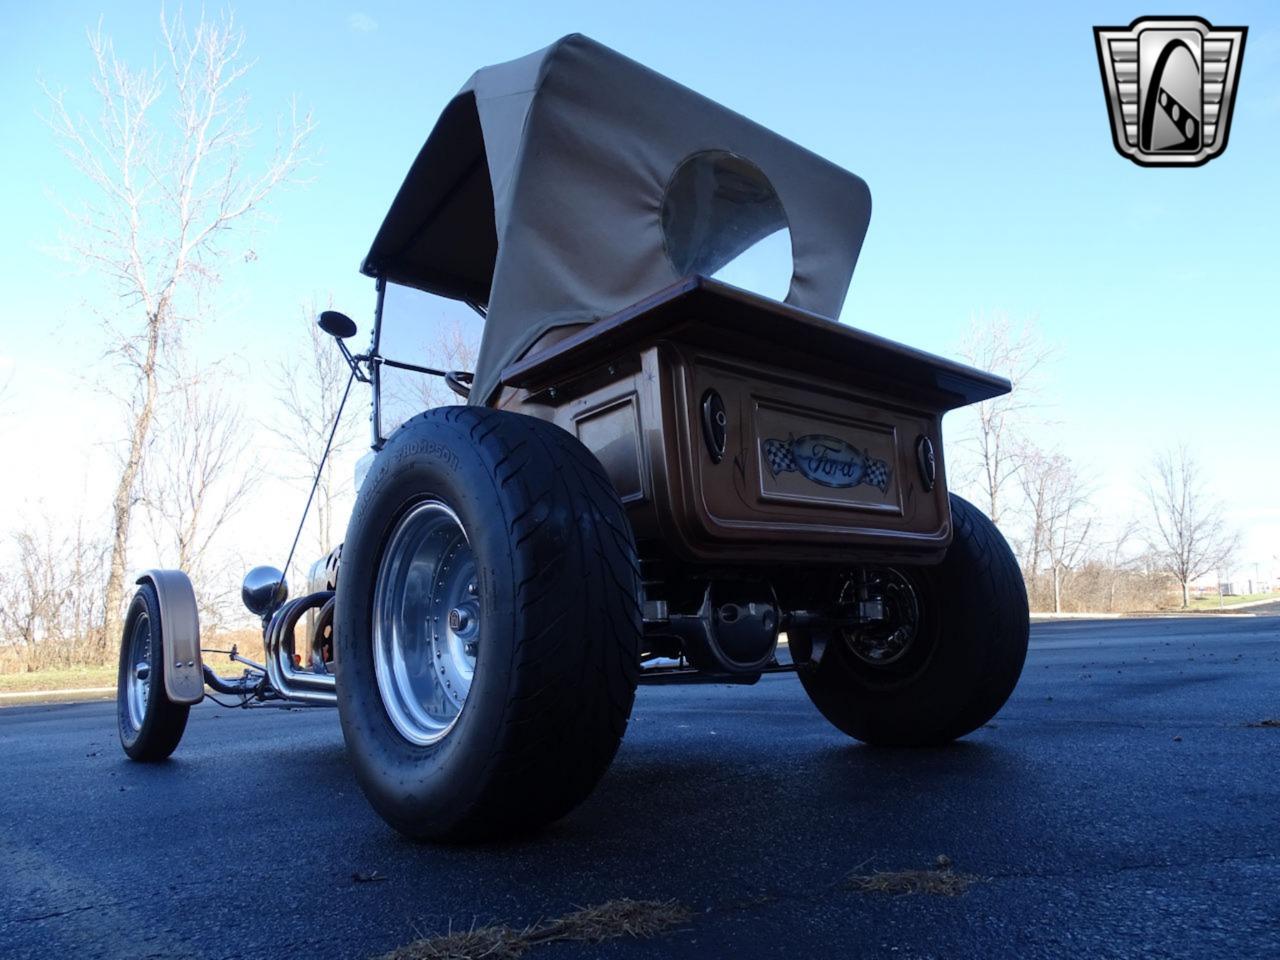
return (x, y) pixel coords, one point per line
(794, 483)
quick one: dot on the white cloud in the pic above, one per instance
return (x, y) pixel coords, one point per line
(362, 23)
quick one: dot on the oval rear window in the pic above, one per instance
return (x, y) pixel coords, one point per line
(722, 218)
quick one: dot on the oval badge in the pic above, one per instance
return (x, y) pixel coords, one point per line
(828, 461)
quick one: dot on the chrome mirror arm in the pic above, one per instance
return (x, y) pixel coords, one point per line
(354, 361)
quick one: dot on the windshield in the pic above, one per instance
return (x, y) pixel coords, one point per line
(430, 331)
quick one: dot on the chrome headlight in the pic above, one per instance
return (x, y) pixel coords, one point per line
(264, 590)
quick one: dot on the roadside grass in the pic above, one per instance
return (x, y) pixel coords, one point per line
(73, 678)
(92, 676)
(637, 919)
(1213, 602)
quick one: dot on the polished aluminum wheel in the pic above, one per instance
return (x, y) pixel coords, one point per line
(138, 689)
(426, 622)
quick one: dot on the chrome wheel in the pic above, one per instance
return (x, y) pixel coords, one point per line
(889, 639)
(426, 622)
(138, 690)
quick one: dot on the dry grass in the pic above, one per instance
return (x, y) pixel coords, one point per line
(639, 919)
(1214, 602)
(74, 678)
(940, 880)
(249, 643)
(490, 943)
(16, 677)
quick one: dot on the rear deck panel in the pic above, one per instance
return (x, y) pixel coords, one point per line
(824, 427)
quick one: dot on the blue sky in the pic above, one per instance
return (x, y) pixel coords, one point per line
(980, 129)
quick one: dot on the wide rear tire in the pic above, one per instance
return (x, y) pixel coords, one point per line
(506, 528)
(967, 654)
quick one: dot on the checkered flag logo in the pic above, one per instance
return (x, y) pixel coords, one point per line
(877, 474)
(828, 461)
(780, 457)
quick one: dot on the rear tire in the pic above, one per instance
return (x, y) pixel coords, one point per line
(970, 645)
(150, 724)
(535, 554)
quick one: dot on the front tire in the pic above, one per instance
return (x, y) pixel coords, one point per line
(968, 644)
(488, 625)
(150, 724)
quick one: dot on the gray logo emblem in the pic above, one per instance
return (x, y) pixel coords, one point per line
(1170, 84)
(829, 461)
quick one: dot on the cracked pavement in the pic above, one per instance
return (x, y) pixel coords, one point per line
(1118, 806)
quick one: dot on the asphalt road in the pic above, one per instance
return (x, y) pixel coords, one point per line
(1120, 805)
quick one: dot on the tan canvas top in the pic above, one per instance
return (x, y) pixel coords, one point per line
(540, 195)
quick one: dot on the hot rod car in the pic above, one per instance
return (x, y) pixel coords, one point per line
(655, 473)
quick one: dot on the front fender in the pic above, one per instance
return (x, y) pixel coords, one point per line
(180, 634)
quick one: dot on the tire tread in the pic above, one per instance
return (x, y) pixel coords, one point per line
(577, 616)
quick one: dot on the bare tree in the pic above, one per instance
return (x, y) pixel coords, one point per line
(168, 186)
(310, 389)
(1189, 535)
(197, 480)
(51, 596)
(1036, 489)
(1114, 564)
(995, 439)
(1058, 504)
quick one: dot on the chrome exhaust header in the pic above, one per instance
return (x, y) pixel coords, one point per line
(306, 686)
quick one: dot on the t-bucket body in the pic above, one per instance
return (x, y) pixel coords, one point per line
(657, 476)
(583, 200)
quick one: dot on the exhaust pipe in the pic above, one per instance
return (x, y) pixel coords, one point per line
(294, 684)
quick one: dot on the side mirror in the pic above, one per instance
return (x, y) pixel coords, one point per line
(263, 590)
(337, 325)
